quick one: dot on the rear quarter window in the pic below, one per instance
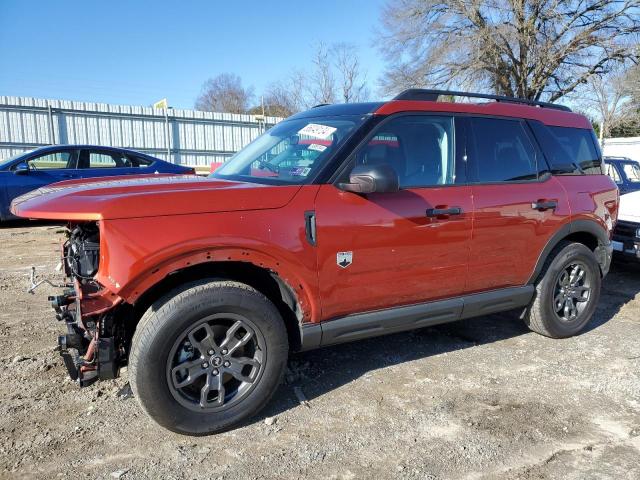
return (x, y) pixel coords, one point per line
(137, 162)
(569, 151)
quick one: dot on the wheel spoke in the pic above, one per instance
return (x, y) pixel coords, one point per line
(582, 293)
(219, 386)
(237, 366)
(207, 343)
(204, 393)
(194, 371)
(577, 276)
(558, 301)
(570, 311)
(231, 343)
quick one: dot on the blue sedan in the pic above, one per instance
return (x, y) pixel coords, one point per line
(42, 166)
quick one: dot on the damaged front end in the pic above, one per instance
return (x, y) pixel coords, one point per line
(95, 345)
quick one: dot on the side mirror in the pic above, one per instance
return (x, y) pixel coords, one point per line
(21, 169)
(370, 179)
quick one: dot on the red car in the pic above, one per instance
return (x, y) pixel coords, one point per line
(340, 223)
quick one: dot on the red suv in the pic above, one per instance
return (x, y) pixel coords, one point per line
(340, 223)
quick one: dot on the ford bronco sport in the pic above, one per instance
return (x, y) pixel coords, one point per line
(339, 223)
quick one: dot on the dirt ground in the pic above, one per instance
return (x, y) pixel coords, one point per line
(483, 398)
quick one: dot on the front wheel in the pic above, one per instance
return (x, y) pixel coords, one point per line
(567, 292)
(208, 356)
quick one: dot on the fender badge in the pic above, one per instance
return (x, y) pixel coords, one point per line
(344, 259)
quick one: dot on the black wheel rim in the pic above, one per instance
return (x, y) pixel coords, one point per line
(572, 291)
(216, 363)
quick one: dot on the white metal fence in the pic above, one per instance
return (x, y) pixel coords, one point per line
(187, 137)
(622, 147)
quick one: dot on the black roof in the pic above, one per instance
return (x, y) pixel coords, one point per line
(339, 109)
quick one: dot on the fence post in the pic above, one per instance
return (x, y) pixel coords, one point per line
(167, 134)
(52, 137)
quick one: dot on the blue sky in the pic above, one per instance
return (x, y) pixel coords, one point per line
(137, 52)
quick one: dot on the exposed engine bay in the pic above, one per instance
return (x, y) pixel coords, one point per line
(95, 345)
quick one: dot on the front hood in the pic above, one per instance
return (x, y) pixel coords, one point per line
(147, 196)
(630, 207)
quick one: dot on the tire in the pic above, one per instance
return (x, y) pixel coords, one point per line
(550, 312)
(169, 373)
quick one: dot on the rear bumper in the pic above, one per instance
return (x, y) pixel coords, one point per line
(626, 247)
(626, 241)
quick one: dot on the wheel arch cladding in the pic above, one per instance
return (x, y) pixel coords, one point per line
(264, 280)
(587, 232)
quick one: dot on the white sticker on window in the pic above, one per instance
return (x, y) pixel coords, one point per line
(317, 148)
(300, 171)
(318, 131)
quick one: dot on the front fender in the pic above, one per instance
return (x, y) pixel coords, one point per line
(136, 254)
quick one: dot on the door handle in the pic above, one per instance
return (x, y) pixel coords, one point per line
(443, 212)
(543, 205)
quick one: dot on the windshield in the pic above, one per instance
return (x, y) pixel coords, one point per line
(7, 161)
(632, 172)
(291, 152)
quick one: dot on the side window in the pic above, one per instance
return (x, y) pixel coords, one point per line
(569, 151)
(612, 171)
(503, 151)
(632, 172)
(137, 162)
(105, 160)
(419, 147)
(578, 146)
(51, 161)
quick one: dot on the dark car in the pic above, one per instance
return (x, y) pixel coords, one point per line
(30, 170)
(339, 223)
(625, 172)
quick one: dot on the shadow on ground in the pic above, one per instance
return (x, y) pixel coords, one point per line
(329, 368)
(8, 224)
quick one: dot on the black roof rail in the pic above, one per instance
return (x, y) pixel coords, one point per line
(321, 105)
(433, 95)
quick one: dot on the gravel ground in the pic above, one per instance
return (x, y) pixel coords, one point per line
(482, 398)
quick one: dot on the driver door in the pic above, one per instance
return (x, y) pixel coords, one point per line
(44, 169)
(383, 250)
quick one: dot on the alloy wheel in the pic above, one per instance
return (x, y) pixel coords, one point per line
(216, 363)
(572, 291)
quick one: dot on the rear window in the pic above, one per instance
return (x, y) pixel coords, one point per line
(569, 151)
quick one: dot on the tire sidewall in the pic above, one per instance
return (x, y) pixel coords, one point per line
(172, 320)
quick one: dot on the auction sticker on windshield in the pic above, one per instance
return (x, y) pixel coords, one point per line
(316, 147)
(318, 131)
(300, 172)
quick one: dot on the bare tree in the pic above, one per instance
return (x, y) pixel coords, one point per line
(280, 100)
(352, 83)
(321, 84)
(608, 97)
(335, 75)
(632, 83)
(526, 48)
(224, 93)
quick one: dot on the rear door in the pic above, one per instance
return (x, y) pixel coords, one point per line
(383, 250)
(101, 163)
(518, 204)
